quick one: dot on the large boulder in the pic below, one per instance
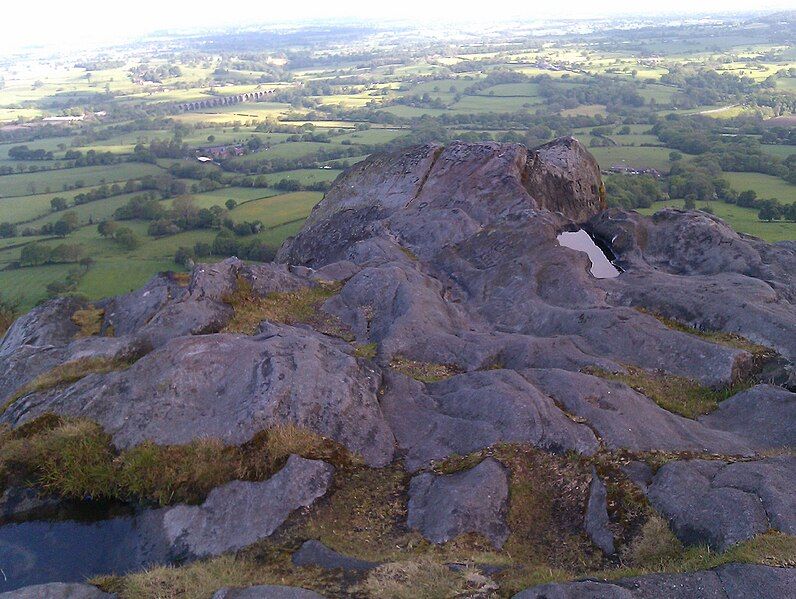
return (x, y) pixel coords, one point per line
(563, 177)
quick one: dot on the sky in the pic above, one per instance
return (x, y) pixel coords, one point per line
(101, 21)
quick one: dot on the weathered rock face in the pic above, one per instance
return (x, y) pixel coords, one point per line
(721, 504)
(472, 326)
(266, 591)
(563, 177)
(476, 500)
(733, 581)
(241, 513)
(230, 387)
(597, 520)
(58, 590)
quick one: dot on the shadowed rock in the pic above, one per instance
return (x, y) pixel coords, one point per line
(266, 591)
(240, 513)
(722, 504)
(315, 553)
(476, 500)
(763, 416)
(733, 581)
(596, 522)
(58, 590)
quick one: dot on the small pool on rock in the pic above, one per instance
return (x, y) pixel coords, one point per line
(70, 551)
(601, 266)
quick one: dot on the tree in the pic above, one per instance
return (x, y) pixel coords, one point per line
(61, 228)
(34, 254)
(125, 237)
(230, 204)
(8, 230)
(770, 210)
(747, 198)
(58, 203)
(185, 210)
(675, 156)
(107, 228)
(8, 312)
(184, 257)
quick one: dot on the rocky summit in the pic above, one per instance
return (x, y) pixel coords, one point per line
(425, 395)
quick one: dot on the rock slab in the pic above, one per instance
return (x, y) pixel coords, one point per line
(241, 513)
(475, 500)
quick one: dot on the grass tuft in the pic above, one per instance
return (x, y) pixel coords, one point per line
(676, 394)
(366, 351)
(415, 579)
(66, 374)
(89, 320)
(727, 339)
(76, 459)
(425, 372)
(289, 307)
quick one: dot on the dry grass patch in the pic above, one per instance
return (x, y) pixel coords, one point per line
(425, 372)
(366, 351)
(66, 374)
(676, 394)
(654, 546)
(89, 320)
(365, 515)
(199, 580)
(289, 307)
(76, 458)
(719, 337)
(416, 579)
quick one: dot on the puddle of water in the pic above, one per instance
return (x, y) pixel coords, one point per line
(70, 551)
(601, 267)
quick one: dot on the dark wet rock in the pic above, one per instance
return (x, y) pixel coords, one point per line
(763, 416)
(58, 590)
(640, 473)
(721, 504)
(266, 591)
(475, 410)
(733, 581)
(476, 500)
(623, 418)
(229, 387)
(315, 553)
(596, 522)
(240, 513)
(18, 502)
(563, 177)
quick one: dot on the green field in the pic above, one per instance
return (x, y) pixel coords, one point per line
(657, 158)
(54, 181)
(741, 219)
(766, 186)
